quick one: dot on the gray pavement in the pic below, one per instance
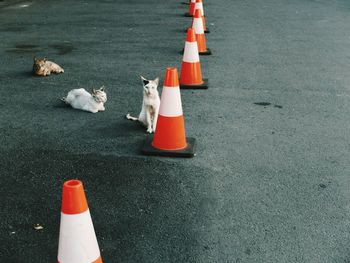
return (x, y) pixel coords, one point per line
(269, 183)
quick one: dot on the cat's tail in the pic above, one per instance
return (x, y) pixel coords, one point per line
(129, 117)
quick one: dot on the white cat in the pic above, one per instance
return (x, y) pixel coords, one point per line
(82, 100)
(150, 105)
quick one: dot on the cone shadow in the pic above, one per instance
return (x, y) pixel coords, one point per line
(188, 152)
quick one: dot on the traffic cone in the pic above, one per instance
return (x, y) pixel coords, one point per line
(200, 7)
(206, 29)
(77, 242)
(191, 8)
(169, 138)
(191, 74)
(198, 27)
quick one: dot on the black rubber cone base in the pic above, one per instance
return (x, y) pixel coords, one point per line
(201, 86)
(205, 31)
(206, 53)
(188, 152)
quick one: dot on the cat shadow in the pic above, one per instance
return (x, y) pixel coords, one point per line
(123, 128)
(26, 74)
(58, 104)
(178, 30)
(164, 50)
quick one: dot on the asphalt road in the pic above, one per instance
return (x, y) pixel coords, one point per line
(269, 183)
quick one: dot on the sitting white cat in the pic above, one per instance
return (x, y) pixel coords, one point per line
(82, 100)
(150, 105)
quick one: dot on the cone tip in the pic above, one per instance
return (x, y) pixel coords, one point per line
(73, 198)
(191, 35)
(72, 184)
(171, 77)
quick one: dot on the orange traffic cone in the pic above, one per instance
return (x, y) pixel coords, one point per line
(77, 242)
(198, 27)
(170, 138)
(206, 29)
(199, 5)
(191, 8)
(191, 74)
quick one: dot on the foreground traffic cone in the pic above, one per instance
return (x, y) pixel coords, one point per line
(191, 8)
(191, 74)
(200, 36)
(77, 242)
(170, 138)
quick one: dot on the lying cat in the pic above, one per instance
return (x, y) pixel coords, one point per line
(150, 105)
(82, 100)
(43, 67)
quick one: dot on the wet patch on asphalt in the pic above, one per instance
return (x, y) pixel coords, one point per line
(24, 48)
(268, 104)
(13, 29)
(262, 103)
(62, 48)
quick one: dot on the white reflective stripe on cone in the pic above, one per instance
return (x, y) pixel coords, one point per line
(191, 52)
(170, 103)
(193, 1)
(77, 241)
(199, 6)
(198, 25)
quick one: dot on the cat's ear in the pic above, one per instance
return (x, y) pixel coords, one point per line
(144, 81)
(35, 59)
(45, 59)
(102, 88)
(156, 80)
(94, 91)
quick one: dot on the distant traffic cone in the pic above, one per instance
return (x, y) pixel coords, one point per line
(170, 138)
(191, 74)
(77, 242)
(191, 8)
(198, 27)
(199, 5)
(206, 29)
